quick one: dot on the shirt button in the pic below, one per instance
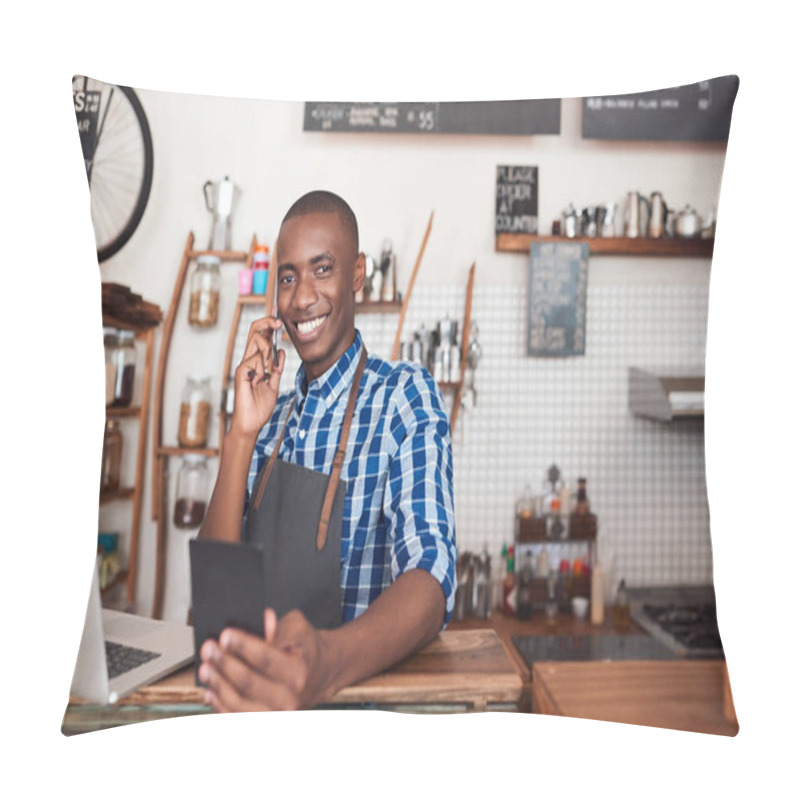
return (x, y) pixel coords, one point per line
(302, 434)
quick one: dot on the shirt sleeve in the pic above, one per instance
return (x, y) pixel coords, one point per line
(419, 503)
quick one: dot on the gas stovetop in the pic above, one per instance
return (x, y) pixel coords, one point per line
(683, 618)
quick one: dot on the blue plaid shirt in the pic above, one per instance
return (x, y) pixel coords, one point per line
(398, 509)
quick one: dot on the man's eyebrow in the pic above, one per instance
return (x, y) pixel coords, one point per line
(326, 256)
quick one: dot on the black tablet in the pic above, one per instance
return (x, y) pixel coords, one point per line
(227, 590)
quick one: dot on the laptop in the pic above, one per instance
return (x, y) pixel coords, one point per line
(120, 652)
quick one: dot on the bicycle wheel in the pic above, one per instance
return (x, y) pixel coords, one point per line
(118, 154)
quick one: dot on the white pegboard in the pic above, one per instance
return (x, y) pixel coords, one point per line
(646, 480)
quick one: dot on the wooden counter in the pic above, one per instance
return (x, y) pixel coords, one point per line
(460, 670)
(684, 695)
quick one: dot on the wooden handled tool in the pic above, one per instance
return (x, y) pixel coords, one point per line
(407, 298)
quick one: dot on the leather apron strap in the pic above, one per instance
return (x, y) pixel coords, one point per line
(338, 459)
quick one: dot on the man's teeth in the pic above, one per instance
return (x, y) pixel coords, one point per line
(310, 325)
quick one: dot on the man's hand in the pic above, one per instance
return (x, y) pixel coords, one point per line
(255, 393)
(286, 670)
(296, 666)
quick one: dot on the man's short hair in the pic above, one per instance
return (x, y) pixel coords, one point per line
(321, 201)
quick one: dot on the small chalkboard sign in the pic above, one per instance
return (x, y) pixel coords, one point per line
(698, 112)
(87, 109)
(517, 206)
(487, 117)
(557, 298)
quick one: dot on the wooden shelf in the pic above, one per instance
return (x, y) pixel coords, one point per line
(208, 452)
(252, 300)
(130, 411)
(222, 255)
(620, 246)
(118, 494)
(371, 307)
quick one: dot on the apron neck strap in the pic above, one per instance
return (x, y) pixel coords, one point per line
(338, 459)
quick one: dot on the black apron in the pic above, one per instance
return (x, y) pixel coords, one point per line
(295, 514)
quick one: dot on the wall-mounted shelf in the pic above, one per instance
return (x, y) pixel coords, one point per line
(382, 307)
(125, 310)
(116, 494)
(617, 246)
(667, 394)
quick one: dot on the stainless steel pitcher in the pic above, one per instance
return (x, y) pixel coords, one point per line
(637, 213)
(658, 216)
(221, 198)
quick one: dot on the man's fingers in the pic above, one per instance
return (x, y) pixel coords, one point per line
(258, 343)
(270, 624)
(265, 659)
(235, 686)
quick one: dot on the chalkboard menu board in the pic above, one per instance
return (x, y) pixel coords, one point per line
(490, 117)
(699, 112)
(557, 298)
(517, 206)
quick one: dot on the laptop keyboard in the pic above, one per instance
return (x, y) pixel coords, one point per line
(121, 658)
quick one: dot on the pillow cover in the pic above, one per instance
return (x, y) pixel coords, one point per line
(591, 221)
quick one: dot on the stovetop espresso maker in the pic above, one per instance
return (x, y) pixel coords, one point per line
(221, 198)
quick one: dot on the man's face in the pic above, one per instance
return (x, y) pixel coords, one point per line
(319, 272)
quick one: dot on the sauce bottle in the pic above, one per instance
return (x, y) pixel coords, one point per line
(598, 594)
(622, 609)
(509, 585)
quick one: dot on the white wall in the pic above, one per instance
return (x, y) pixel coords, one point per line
(393, 183)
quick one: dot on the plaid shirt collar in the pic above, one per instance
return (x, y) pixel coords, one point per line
(335, 380)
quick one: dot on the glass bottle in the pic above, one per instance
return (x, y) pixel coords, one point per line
(112, 457)
(195, 412)
(622, 609)
(110, 343)
(125, 358)
(190, 503)
(526, 510)
(524, 598)
(509, 585)
(204, 292)
(582, 501)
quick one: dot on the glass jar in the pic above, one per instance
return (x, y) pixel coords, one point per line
(125, 360)
(110, 343)
(190, 505)
(204, 292)
(112, 457)
(195, 412)
(226, 402)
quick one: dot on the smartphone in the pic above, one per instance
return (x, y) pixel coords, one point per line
(228, 590)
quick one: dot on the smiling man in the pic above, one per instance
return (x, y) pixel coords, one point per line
(346, 483)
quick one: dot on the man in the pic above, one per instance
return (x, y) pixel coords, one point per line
(363, 568)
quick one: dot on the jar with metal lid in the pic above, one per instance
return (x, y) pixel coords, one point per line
(112, 457)
(204, 292)
(125, 358)
(110, 344)
(192, 490)
(195, 412)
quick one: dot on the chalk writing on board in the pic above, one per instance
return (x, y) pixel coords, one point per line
(517, 200)
(696, 112)
(485, 117)
(557, 299)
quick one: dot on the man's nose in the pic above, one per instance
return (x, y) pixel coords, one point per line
(306, 294)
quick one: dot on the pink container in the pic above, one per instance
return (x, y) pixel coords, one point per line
(245, 281)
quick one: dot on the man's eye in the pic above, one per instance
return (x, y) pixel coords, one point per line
(323, 268)
(285, 279)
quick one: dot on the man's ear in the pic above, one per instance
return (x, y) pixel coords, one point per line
(360, 272)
